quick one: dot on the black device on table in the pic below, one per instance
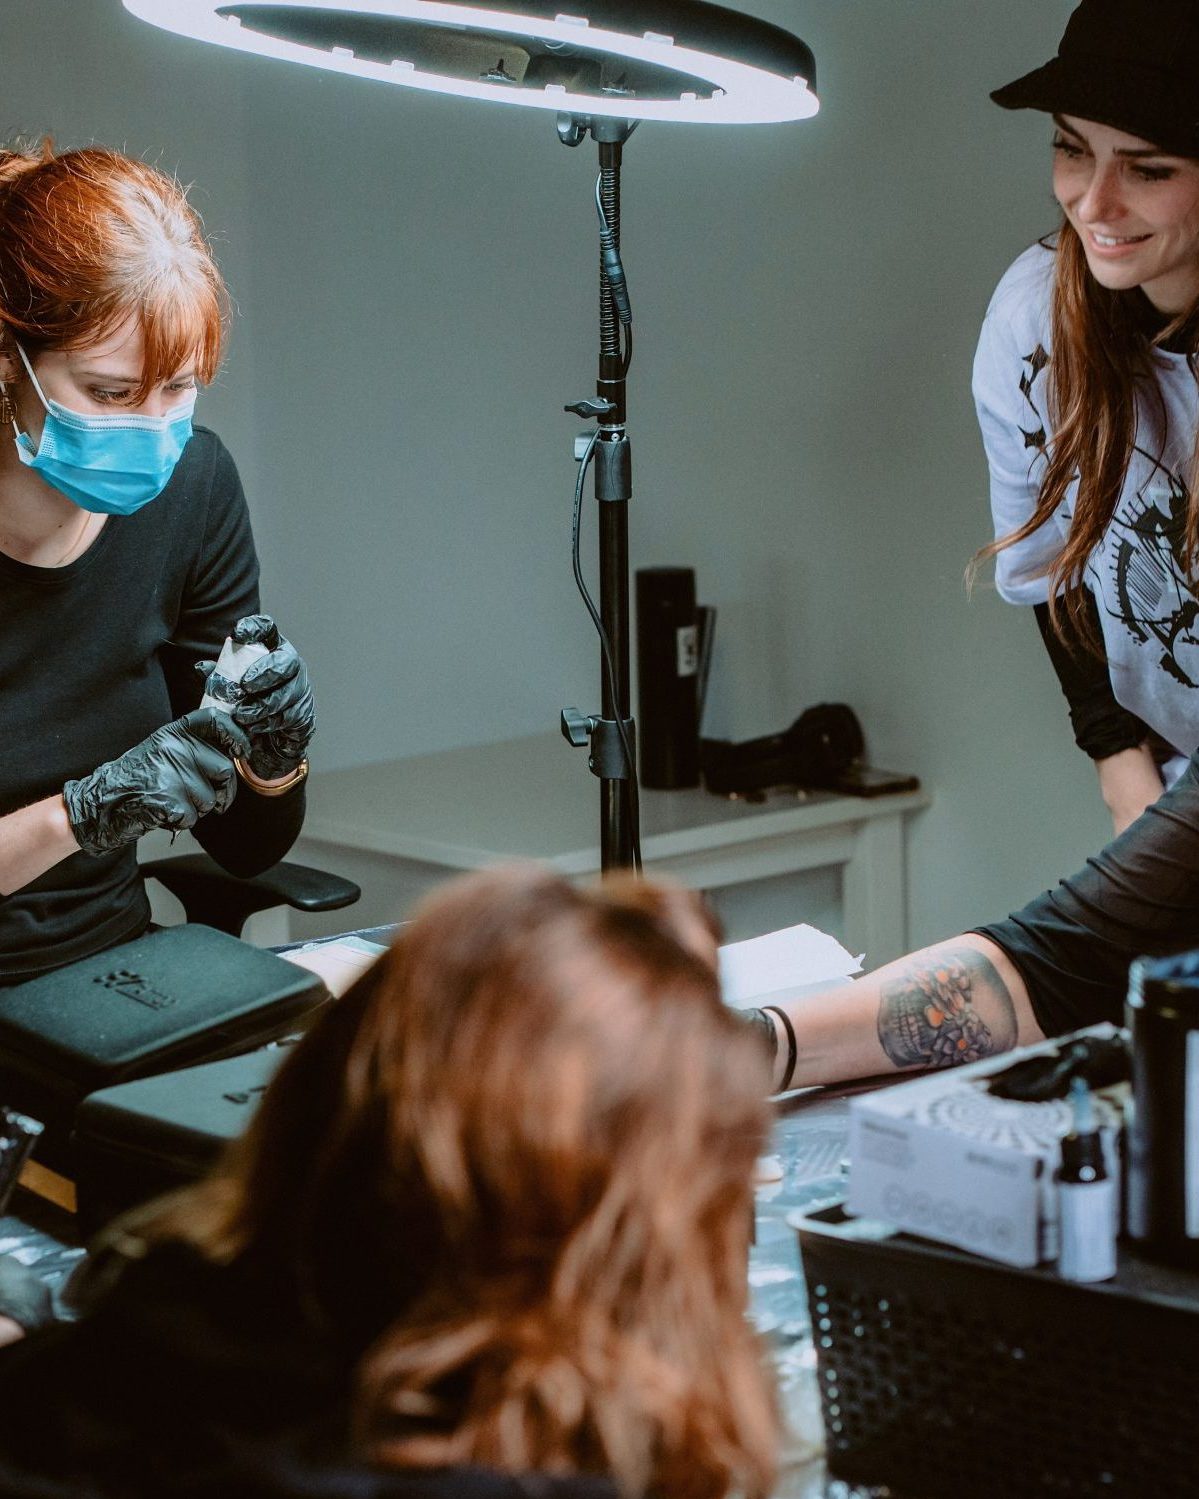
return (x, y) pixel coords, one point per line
(182, 995)
(822, 750)
(170, 999)
(155, 1134)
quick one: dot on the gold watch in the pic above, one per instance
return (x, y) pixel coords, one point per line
(281, 788)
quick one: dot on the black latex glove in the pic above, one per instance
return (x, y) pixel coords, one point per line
(24, 1297)
(179, 774)
(275, 706)
(1102, 1061)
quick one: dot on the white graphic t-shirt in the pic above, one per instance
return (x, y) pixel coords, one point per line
(1150, 618)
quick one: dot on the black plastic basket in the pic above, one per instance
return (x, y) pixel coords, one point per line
(945, 1376)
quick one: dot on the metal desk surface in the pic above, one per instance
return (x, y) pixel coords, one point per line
(810, 1138)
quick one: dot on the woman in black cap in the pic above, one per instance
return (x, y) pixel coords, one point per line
(1085, 382)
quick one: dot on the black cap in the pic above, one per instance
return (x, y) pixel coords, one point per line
(1082, 1158)
(1130, 64)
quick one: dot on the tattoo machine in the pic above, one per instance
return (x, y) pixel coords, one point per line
(1100, 1061)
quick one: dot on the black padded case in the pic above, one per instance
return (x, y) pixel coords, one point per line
(175, 997)
(138, 1139)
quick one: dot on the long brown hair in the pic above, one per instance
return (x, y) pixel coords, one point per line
(90, 237)
(524, 1143)
(1099, 361)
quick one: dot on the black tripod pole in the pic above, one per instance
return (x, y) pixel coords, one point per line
(611, 735)
(613, 491)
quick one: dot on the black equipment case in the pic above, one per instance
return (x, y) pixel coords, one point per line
(175, 997)
(138, 1139)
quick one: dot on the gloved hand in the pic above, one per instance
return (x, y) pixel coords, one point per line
(24, 1297)
(276, 708)
(179, 774)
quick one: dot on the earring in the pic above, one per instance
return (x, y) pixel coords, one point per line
(8, 412)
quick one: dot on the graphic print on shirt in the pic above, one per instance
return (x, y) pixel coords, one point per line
(1035, 362)
(1145, 550)
(1149, 587)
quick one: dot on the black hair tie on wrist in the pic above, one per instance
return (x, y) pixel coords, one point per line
(792, 1046)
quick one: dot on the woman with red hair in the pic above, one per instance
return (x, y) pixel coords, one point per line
(126, 558)
(490, 1221)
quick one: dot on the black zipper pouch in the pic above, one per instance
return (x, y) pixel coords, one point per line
(173, 998)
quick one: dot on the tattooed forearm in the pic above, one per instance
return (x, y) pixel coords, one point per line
(945, 1009)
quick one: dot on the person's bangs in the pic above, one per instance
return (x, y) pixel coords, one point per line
(184, 325)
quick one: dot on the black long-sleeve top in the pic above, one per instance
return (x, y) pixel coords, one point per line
(195, 1381)
(1139, 896)
(96, 655)
(1102, 727)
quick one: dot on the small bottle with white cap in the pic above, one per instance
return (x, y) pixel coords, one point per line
(1086, 1196)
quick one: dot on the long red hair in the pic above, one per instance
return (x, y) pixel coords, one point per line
(518, 1156)
(1099, 362)
(90, 237)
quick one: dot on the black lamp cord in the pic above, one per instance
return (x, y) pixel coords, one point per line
(605, 645)
(613, 271)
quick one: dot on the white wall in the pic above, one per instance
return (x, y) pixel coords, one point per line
(416, 283)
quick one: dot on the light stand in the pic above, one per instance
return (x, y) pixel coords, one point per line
(611, 735)
(602, 66)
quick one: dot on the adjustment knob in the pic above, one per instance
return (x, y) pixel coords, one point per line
(576, 727)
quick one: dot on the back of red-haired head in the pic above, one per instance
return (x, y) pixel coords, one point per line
(515, 1162)
(90, 238)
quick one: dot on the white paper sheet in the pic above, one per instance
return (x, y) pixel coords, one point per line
(764, 970)
(339, 962)
(782, 965)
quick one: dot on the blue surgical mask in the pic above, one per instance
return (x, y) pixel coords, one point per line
(112, 464)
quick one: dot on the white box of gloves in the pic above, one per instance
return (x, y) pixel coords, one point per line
(941, 1157)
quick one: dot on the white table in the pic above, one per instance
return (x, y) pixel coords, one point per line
(402, 826)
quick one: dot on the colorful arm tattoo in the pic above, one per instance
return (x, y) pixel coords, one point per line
(946, 1010)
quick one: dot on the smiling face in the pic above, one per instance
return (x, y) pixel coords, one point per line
(1135, 209)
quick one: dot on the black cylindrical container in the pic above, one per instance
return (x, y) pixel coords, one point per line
(667, 662)
(1162, 1198)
